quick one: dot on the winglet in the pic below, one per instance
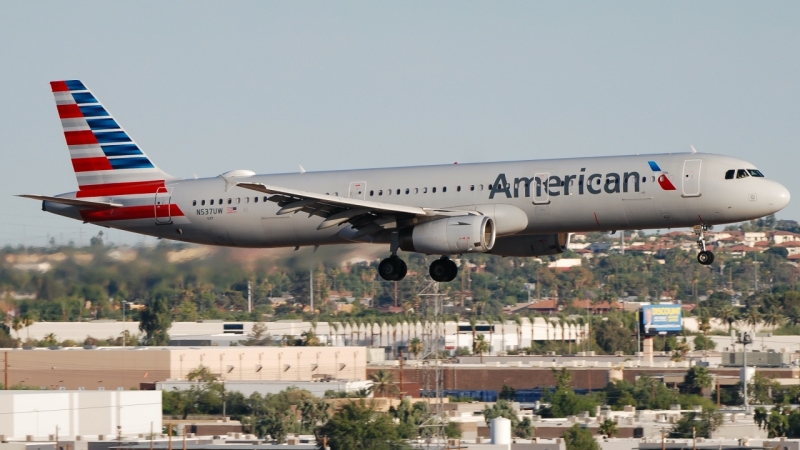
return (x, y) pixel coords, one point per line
(302, 170)
(693, 150)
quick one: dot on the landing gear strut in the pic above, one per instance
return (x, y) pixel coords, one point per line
(705, 257)
(443, 270)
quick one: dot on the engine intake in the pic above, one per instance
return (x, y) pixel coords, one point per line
(450, 236)
(531, 245)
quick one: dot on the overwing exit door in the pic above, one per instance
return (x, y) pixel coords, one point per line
(358, 189)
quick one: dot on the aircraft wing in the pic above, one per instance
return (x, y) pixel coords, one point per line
(73, 201)
(364, 215)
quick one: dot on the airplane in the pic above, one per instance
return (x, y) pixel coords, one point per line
(517, 208)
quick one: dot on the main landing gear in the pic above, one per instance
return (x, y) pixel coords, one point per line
(705, 257)
(443, 270)
(394, 269)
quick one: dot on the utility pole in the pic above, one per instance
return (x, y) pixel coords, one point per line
(694, 439)
(311, 287)
(5, 370)
(622, 241)
(744, 339)
(663, 442)
(755, 275)
(249, 297)
(122, 304)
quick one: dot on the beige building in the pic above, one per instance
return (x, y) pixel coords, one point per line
(116, 367)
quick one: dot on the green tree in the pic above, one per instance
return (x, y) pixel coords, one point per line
(704, 343)
(258, 335)
(357, 426)
(155, 321)
(524, 429)
(697, 379)
(608, 427)
(481, 346)
(415, 347)
(501, 408)
(703, 423)
(577, 438)
(187, 312)
(383, 384)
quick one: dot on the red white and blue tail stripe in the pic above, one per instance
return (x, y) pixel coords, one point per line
(104, 156)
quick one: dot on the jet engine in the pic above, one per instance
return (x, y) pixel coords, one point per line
(531, 245)
(450, 236)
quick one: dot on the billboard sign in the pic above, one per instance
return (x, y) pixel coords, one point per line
(660, 319)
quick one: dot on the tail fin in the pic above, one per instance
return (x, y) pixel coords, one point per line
(103, 156)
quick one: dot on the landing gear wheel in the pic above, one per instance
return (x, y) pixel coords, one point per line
(705, 257)
(443, 270)
(392, 268)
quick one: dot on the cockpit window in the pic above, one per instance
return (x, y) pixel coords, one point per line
(729, 174)
(755, 173)
(741, 173)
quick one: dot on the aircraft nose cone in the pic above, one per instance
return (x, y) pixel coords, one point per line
(777, 196)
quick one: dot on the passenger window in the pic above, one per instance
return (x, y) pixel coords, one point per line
(444, 188)
(202, 202)
(416, 190)
(458, 188)
(433, 190)
(755, 173)
(741, 173)
(238, 200)
(388, 192)
(424, 190)
(472, 187)
(729, 174)
(220, 201)
(371, 193)
(644, 179)
(229, 201)
(194, 202)
(398, 192)
(481, 186)
(212, 202)
(380, 192)
(265, 198)
(247, 199)
(255, 199)
(408, 191)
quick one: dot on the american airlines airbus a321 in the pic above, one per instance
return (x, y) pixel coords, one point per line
(520, 208)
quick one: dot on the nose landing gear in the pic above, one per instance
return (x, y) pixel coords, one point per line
(443, 270)
(705, 257)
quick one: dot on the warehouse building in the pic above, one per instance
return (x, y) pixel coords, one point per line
(112, 368)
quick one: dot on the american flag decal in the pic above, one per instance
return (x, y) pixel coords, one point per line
(231, 209)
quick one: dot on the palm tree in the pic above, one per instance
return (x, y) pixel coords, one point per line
(608, 427)
(27, 320)
(502, 321)
(752, 317)
(699, 378)
(773, 318)
(793, 316)
(335, 327)
(383, 384)
(16, 325)
(704, 323)
(481, 346)
(473, 322)
(415, 347)
(727, 313)
(490, 321)
(518, 320)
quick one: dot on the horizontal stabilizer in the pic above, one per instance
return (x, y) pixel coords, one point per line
(73, 201)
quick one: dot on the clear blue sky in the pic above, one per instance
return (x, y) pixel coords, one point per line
(205, 87)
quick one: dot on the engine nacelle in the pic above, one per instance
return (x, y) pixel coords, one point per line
(450, 236)
(531, 245)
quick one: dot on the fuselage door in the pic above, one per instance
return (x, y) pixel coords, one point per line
(162, 201)
(358, 189)
(541, 195)
(691, 177)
